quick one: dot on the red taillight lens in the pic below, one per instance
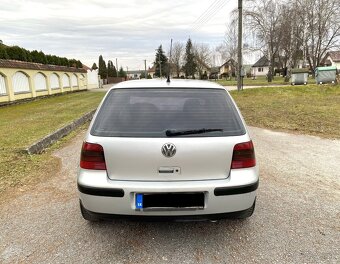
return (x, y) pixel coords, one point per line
(243, 156)
(92, 157)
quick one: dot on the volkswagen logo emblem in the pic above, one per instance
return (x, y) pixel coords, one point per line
(169, 150)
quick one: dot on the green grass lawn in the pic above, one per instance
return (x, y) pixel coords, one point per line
(310, 109)
(260, 80)
(23, 124)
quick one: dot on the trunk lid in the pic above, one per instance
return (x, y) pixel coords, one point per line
(141, 159)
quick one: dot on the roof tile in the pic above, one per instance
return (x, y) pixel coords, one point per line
(36, 66)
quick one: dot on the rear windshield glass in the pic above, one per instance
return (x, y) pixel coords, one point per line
(151, 112)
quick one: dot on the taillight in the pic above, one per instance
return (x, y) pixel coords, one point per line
(92, 157)
(243, 156)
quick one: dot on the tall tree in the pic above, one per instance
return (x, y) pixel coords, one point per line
(94, 66)
(16, 53)
(121, 72)
(189, 60)
(263, 17)
(202, 55)
(102, 68)
(294, 30)
(3, 52)
(228, 50)
(322, 28)
(42, 57)
(161, 63)
(111, 69)
(177, 57)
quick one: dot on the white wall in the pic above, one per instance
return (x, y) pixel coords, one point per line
(336, 64)
(92, 79)
(66, 80)
(3, 89)
(54, 79)
(74, 80)
(256, 72)
(20, 83)
(40, 82)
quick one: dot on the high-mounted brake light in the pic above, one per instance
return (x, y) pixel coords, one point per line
(92, 157)
(243, 156)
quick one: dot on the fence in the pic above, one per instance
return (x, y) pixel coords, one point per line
(22, 80)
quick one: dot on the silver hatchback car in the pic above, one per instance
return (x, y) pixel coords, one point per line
(175, 151)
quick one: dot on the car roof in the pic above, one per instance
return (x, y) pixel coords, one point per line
(162, 83)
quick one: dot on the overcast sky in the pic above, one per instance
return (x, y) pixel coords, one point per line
(129, 30)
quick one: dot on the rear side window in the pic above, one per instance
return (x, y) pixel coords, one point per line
(150, 112)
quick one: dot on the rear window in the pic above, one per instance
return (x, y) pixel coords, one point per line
(150, 112)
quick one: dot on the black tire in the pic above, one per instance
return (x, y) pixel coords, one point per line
(86, 215)
(246, 213)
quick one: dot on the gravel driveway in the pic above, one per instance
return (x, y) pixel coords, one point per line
(296, 219)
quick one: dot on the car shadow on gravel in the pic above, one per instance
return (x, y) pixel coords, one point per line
(182, 231)
(168, 239)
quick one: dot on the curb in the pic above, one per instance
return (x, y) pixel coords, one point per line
(47, 141)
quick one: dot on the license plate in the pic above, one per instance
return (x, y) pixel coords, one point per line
(139, 201)
(152, 201)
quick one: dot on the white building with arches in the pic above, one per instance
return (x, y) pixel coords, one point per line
(23, 80)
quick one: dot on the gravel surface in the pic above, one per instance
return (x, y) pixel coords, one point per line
(296, 219)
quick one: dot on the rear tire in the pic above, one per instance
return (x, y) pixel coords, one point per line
(86, 215)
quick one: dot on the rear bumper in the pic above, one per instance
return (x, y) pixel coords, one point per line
(167, 218)
(100, 195)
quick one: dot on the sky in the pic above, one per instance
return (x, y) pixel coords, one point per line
(128, 30)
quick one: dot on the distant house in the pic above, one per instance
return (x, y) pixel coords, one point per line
(134, 75)
(203, 69)
(332, 58)
(214, 72)
(152, 71)
(228, 68)
(261, 67)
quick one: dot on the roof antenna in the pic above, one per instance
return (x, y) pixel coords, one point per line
(169, 69)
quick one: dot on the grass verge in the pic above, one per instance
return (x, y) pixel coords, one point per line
(23, 124)
(310, 109)
(260, 80)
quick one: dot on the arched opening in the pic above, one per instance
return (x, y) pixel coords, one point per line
(54, 80)
(66, 80)
(20, 82)
(40, 82)
(74, 79)
(3, 88)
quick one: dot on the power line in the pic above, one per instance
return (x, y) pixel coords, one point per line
(213, 13)
(206, 11)
(210, 13)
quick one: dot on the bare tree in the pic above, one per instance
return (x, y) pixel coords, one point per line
(292, 32)
(221, 51)
(203, 57)
(289, 31)
(263, 17)
(228, 49)
(177, 57)
(323, 28)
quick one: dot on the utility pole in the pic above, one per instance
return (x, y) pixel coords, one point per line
(117, 66)
(160, 65)
(239, 48)
(146, 76)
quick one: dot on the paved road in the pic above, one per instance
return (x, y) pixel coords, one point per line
(296, 219)
(106, 87)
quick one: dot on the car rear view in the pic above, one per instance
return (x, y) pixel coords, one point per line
(174, 151)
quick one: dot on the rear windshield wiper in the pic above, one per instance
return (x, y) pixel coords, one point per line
(174, 132)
